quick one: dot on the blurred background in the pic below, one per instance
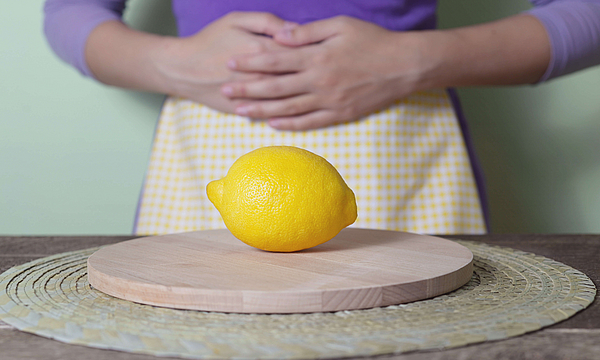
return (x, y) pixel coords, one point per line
(73, 152)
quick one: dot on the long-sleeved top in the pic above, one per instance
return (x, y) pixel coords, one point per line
(573, 26)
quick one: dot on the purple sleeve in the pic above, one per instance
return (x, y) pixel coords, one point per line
(574, 30)
(572, 25)
(67, 24)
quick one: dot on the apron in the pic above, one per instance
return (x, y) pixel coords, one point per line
(407, 165)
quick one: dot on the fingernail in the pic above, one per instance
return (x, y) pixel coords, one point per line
(243, 110)
(227, 90)
(288, 25)
(285, 34)
(232, 64)
(286, 30)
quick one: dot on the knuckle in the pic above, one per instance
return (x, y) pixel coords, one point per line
(326, 82)
(267, 18)
(343, 20)
(271, 61)
(349, 111)
(261, 22)
(256, 47)
(240, 90)
(321, 58)
(257, 112)
(273, 88)
(265, 21)
(233, 15)
(339, 98)
(292, 108)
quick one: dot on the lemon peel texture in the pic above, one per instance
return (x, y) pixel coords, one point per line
(283, 199)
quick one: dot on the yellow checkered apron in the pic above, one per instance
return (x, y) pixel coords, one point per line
(407, 165)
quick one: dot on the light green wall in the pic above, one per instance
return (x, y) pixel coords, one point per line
(73, 152)
(539, 145)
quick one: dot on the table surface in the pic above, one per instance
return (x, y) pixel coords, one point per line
(575, 338)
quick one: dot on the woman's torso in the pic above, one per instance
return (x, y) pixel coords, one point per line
(398, 15)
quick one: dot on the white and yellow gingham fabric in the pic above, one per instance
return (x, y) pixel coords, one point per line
(407, 165)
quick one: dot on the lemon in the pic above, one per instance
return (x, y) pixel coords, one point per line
(283, 198)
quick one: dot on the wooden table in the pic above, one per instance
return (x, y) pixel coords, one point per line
(575, 338)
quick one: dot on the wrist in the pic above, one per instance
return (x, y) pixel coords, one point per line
(435, 59)
(510, 51)
(417, 61)
(123, 57)
(166, 75)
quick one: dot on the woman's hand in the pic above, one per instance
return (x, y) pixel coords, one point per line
(343, 68)
(193, 67)
(197, 66)
(318, 74)
(339, 69)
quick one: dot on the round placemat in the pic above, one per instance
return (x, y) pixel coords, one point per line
(510, 293)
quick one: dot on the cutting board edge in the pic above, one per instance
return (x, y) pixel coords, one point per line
(248, 301)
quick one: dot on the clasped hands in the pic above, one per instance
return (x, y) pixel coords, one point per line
(300, 77)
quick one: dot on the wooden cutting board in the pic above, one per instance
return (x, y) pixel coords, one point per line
(213, 271)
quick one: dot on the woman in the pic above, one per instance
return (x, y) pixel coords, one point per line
(362, 83)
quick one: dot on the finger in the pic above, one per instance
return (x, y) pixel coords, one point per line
(293, 106)
(273, 87)
(310, 33)
(273, 62)
(309, 121)
(247, 77)
(258, 22)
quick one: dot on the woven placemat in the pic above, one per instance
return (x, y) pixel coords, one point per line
(510, 293)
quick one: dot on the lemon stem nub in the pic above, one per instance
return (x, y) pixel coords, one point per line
(214, 191)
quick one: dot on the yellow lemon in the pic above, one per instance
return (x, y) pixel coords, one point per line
(283, 198)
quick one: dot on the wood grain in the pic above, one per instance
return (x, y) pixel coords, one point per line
(214, 271)
(541, 345)
(50, 245)
(576, 338)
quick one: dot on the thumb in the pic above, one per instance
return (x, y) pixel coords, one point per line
(292, 34)
(257, 22)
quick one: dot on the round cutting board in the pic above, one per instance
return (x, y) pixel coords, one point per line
(213, 271)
